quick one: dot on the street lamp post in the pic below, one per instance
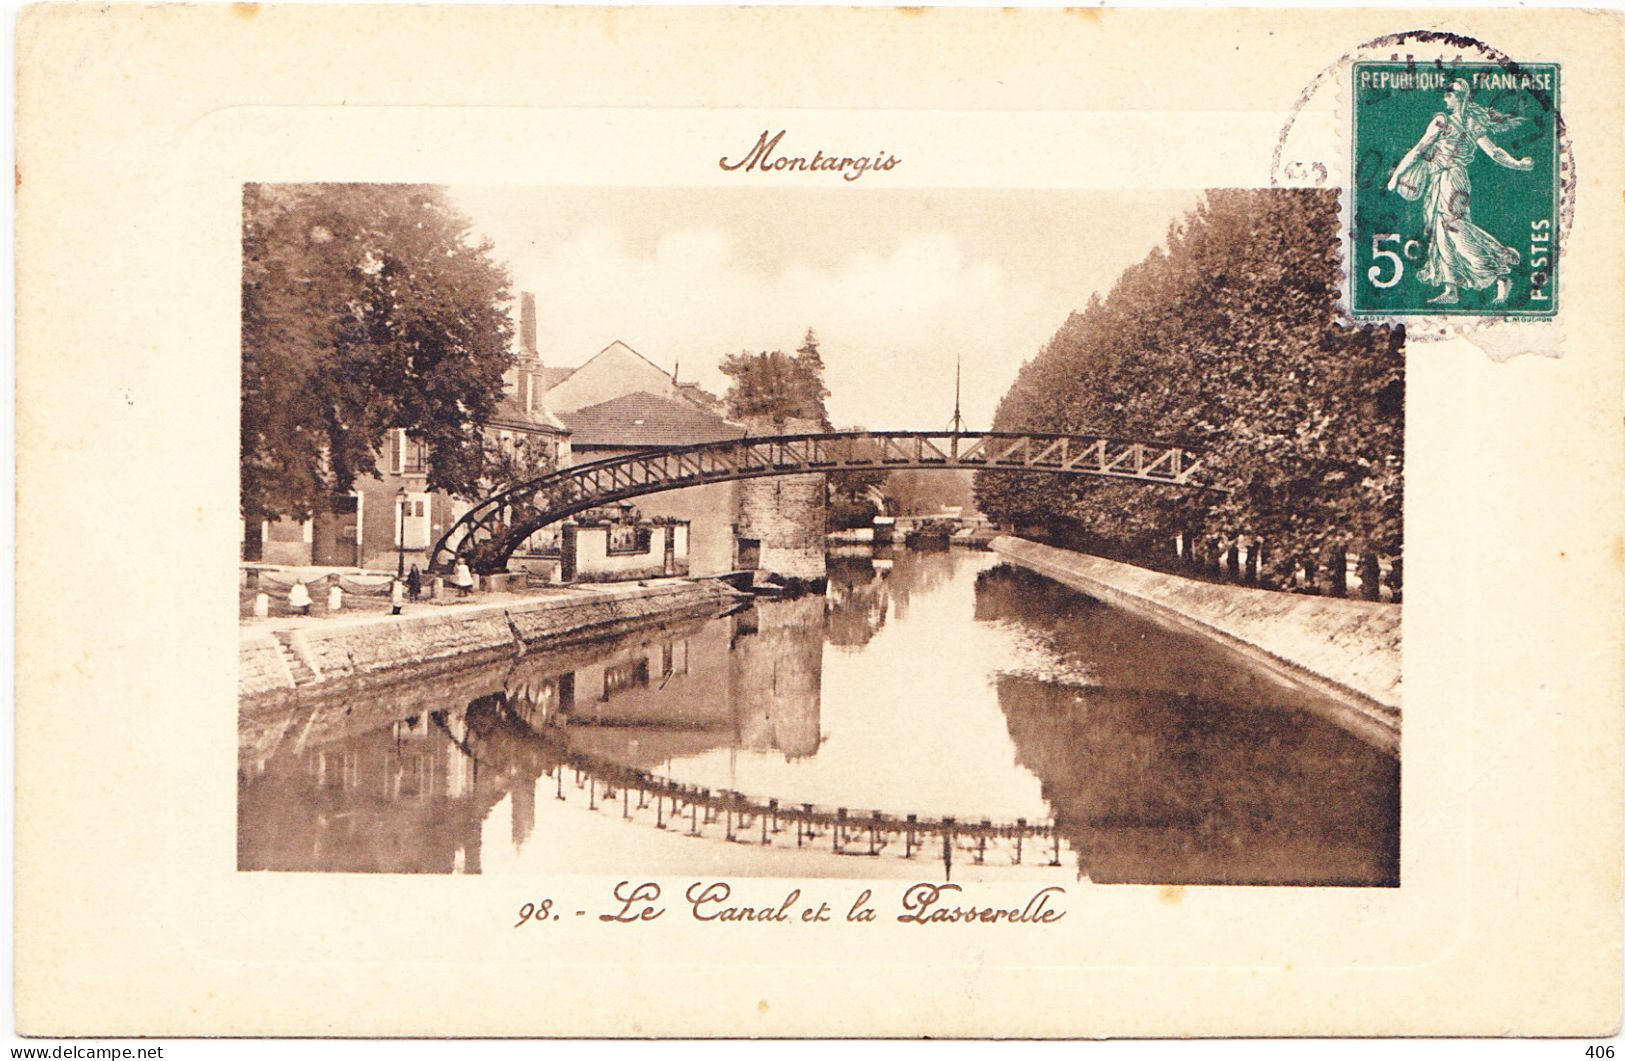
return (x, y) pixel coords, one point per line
(400, 538)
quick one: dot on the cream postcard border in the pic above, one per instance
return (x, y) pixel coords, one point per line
(137, 128)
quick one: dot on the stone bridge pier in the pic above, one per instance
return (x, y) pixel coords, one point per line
(779, 521)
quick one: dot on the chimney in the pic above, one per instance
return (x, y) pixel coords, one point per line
(527, 324)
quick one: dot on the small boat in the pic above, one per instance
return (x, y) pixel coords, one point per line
(927, 536)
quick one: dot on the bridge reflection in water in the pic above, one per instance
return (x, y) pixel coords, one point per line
(942, 716)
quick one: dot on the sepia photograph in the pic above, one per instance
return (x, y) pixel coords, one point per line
(986, 535)
(738, 523)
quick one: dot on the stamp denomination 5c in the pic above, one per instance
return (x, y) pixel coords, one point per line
(1455, 190)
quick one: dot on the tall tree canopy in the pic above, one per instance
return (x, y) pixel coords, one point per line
(1229, 341)
(365, 308)
(783, 387)
(778, 385)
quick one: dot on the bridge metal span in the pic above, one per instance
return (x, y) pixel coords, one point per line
(487, 535)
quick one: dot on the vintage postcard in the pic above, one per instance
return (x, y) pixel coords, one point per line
(944, 527)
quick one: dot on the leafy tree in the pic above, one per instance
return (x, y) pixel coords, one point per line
(783, 387)
(505, 466)
(364, 308)
(508, 465)
(1229, 341)
(808, 365)
(850, 495)
(918, 490)
(777, 385)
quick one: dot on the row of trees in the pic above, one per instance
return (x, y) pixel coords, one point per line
(365, 307)
(1228, 341)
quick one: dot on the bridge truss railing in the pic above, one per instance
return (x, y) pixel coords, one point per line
(490, 531)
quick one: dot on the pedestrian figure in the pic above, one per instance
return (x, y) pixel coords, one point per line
(397, 596)
(299, 599)
(464, 579)
(335, 599)
(414, 582)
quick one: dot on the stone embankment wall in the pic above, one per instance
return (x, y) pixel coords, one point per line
(337, 656)
(1346, 650)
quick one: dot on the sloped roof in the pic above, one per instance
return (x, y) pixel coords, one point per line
(701, 397)
(510, 412)
(618, 347)
(549, 378)
(643, 419)
(552, 377)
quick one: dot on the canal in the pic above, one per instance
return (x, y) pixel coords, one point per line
(934, 713)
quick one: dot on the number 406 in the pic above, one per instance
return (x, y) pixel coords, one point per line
(1600, 1051)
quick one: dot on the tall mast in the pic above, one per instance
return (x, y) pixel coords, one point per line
(958, 424)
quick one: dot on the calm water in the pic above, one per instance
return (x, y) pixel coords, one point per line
(941, 685)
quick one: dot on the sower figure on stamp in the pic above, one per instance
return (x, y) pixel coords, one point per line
(1459, 254)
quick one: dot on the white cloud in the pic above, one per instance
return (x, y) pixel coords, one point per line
(896, 282)
(889, 323)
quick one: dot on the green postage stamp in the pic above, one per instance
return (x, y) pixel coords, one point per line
(1455, 190)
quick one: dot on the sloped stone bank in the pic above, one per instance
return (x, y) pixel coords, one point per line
(260, 666)
(286, 669)
(1346, 650)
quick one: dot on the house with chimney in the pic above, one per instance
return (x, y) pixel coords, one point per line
(407, 518)
(391, 521)
(617, 402)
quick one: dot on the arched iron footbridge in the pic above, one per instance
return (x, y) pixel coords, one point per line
(489, 533)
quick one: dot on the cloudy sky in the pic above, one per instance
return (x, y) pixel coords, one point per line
(895, 282)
